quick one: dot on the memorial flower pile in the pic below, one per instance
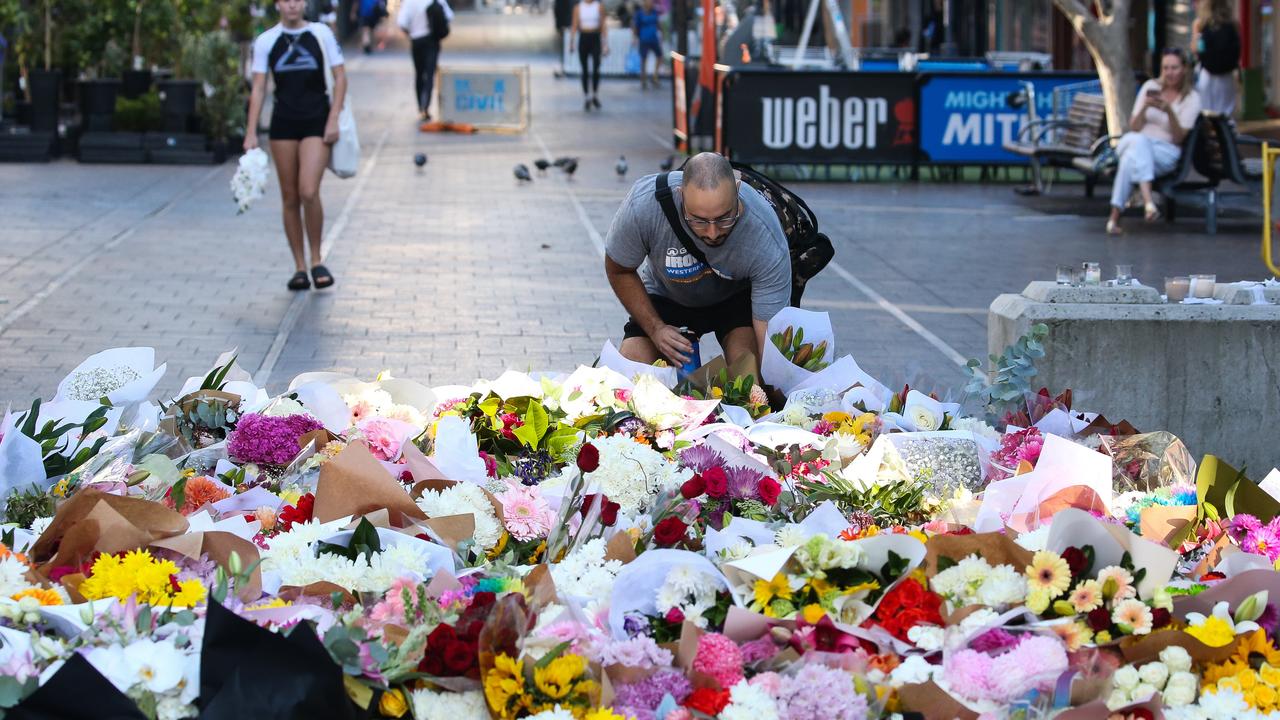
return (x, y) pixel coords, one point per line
(605, 544)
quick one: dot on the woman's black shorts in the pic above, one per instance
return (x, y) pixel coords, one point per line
(286, 128)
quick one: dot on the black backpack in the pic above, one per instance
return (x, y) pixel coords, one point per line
(438, 21)
(1221, 48)
(810, 249)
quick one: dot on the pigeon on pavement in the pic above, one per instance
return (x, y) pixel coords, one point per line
(522, 173)
(621, 167)
(666, 165)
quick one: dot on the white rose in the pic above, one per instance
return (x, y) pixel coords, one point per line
(1143, 691)
(1154, 674)
(1117, 699)
(1176, 658)
(1186, 680)
(1127, 678)
(923, 411)
(1178, 696)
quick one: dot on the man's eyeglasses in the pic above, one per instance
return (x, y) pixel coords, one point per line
(723, 223)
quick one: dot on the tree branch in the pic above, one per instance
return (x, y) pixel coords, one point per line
(1074, 9)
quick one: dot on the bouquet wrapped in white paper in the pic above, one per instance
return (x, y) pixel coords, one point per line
(249, 183)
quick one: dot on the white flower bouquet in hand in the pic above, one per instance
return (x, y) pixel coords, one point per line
(250, 181)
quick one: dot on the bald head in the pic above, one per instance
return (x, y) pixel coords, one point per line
(707, 171)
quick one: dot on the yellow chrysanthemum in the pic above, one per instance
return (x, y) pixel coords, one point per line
(1048, 572)
(603, 714)
(190, 593)
(556, 679)
(290, 495)
(1229, 683)
(46, 596)
(1248, 679)
(271, 604)
(1214, 632)
(1215, 672)
(813, 613)
(1264, 697)
(1270, 675)
(766, 591)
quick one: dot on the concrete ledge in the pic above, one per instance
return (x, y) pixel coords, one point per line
(1210, 374)
(1048, 292)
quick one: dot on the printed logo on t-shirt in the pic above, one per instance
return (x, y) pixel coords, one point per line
(297, 59)
(682, 267)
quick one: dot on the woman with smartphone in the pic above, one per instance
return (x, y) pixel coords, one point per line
(1165, 112)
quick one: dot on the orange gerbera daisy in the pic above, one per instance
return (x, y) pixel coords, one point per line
(200, 491)
(44, 595)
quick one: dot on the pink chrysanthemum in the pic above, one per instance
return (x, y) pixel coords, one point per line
(720, 658)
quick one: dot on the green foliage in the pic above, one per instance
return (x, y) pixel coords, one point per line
(213, 59)
(1003, 391)
(63, 445)
(24, 506)
(888, 504)
(217, 377)
(364, 543)
(140, 114)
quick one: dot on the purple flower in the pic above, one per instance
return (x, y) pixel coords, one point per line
(759, 650)
(1241, 525)
(648, 693)
(744, 483)
(818, 692)
(993, 641)
(635, 625)
(269, 440)
(1269, 619)
(700, 458)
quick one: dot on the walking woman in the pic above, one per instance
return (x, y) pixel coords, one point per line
(304, 124)
(591, 36)
(1164, 113)
(1215, 39)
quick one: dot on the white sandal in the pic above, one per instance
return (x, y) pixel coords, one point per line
(1151, 213)
(1113, 228)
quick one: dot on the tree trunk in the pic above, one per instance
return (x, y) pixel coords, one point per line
(1107, 38)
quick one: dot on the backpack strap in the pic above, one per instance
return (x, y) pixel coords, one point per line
(667, 201)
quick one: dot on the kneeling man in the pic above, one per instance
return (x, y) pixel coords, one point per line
(701, 250)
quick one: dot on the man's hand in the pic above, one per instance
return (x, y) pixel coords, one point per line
(672, 345)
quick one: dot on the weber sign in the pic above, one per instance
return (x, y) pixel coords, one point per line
(788, 117)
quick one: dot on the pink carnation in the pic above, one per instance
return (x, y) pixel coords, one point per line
(526, 513)
(1034, 664)
(968, 672)
(269, 440)
(719, 658)
(385, 437)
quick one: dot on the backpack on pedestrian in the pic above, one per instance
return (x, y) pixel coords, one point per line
(1221, 52)
(810, 249)
(438, 21)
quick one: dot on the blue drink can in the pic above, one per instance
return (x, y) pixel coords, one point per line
(695, 359)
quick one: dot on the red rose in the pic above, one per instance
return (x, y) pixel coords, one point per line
(483, 599)
(441, 637)
(675, 616)
(470, 632)
(669, 532)
(1160, 618)
(889, 605)
(707, 701)
(910, 593)
(1099, 619)
(459, 657)
(769, 490)
(717, 482)
(608, 509)
(299, 513)
(693, 487)
(588, 458)
(406, 476)
(432, 664)
(1076, 560)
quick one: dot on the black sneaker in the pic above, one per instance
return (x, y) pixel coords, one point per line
(586, 105)
(596, 101)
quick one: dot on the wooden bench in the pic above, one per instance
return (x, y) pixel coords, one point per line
(1058, 142)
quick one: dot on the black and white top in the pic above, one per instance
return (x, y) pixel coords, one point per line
(295, 59)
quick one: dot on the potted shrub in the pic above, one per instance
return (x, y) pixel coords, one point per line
(213, 60)
(98, 91)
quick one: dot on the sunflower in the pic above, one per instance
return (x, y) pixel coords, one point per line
(504, 681)
(1254, 648)
(556, 679)
(1219, 671)
(1048, 572)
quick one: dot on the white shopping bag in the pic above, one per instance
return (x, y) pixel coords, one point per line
(776, 369)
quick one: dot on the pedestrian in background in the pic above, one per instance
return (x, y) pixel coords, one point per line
(590, 35)
(415, 20)
(1166, 110)
(304, 124)
(649, 36)
(369, 14)
(1215, 39)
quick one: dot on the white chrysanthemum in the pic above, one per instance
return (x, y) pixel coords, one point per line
(288, 549)
(584, 573)
(913, 671)
(632, 474)
(431, 705)
(462, 499)
(977, 427)
(39, 525)
(790, 536)
(1036, 540)
(376, 574)
(12, 579)
(736, 551)
(749, 702)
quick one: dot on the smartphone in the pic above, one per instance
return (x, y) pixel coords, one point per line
(1153, 94)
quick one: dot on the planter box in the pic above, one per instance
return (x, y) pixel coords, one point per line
(136, 83)
(26, 146)
(178, 102)
(98, 103)
(46, 99)
(102, 147)
(178, 149)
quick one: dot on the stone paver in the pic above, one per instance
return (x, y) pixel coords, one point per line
(456, 271)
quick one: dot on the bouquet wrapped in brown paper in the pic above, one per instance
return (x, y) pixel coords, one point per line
(353, 483)
(92, 521)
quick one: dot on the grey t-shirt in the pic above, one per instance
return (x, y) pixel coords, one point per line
(755, 253)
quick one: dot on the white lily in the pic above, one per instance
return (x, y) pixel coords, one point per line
(1221, 612)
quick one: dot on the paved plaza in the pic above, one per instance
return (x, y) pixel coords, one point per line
(455, 271)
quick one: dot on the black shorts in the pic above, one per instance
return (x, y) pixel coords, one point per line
(370, 21)
(286, 128)
(721, 318)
